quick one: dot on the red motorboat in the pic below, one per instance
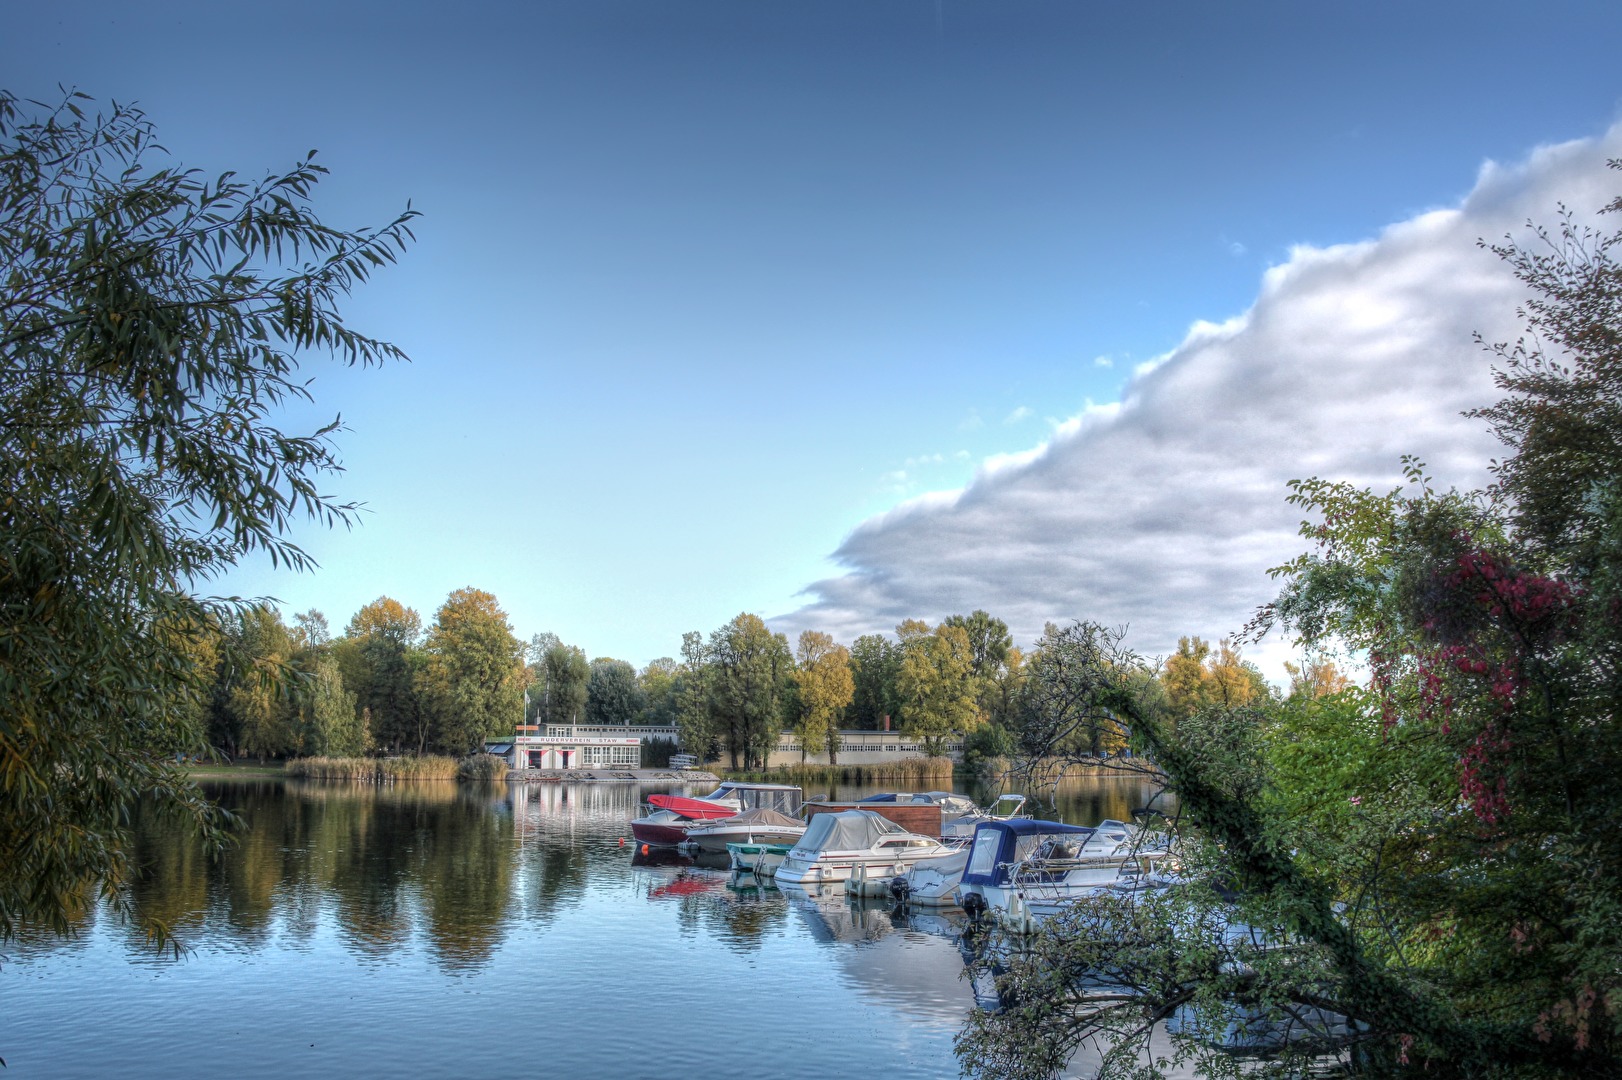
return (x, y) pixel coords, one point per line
(693, 808)
(672, 815)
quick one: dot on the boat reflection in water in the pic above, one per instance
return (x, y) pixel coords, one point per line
(354, 930)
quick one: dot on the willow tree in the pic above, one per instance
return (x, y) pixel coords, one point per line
(153, 324)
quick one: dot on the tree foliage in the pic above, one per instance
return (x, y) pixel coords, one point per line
(822, 675)
(658, 682)
(1195, 677)
(613, 695)
(750, 672)
(1054, 712)
(473, 681)
(936, 684)
(152, 323)
(330, 722)
(385, 668)
(1433, 857)
(875, 663)
(695, 726)
(567, 684)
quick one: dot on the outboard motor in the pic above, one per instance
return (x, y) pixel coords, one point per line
(974, 905)
(899, 888)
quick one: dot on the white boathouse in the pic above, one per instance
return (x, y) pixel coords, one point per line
(562, 748)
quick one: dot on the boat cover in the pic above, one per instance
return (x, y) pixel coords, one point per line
(949, 802)
(762, 816)
(998, 843)
(946, 800)
(849, 830)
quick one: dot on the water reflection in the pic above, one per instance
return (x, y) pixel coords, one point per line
(455, 864)
(417, 910)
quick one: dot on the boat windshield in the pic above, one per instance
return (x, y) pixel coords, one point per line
(983, 859)
(1046, 846)
(1006, 806)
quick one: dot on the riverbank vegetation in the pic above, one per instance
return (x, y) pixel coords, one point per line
(377, 769)
(1430, 863)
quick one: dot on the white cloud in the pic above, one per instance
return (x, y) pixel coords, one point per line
(1021, 413)
(1103, 361)
(972, 421)
(1164, 511)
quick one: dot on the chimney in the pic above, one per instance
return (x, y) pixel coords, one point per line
(886, 721)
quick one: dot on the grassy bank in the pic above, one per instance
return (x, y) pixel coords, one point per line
(913, 773)
(377, 770)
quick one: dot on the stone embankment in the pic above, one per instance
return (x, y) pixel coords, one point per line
(606, 775)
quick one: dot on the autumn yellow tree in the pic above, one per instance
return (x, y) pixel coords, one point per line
(1194, 678)
(1316, 676)
(826, 688)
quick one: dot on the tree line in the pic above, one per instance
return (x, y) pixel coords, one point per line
(388, 684)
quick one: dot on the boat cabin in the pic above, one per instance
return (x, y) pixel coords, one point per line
(783, 798)
(999, 845)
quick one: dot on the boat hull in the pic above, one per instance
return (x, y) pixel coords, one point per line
(762, 860)
(661, 832)
(836, 867)
(716, 840)
(934, 882)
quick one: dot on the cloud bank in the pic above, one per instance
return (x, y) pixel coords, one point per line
(1162, 512)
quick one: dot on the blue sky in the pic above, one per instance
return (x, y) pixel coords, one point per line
(708, 295)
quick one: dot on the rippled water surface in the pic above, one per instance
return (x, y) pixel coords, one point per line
(435, 929)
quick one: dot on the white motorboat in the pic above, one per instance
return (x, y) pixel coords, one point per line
(1021, 871)
(760, 826)
(836, 845)
(932, 882)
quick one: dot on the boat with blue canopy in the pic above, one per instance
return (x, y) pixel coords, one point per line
(1022, 871)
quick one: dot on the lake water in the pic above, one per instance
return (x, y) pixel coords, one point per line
(443, 930)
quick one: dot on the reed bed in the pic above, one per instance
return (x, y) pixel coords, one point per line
(374, 770)
(915, 772)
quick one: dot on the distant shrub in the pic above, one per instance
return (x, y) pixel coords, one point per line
(986, 743)
(482, 767)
